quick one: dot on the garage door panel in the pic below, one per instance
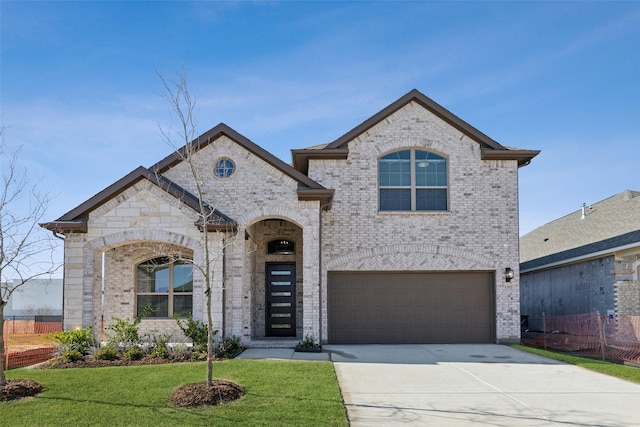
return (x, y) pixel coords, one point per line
(382, 307)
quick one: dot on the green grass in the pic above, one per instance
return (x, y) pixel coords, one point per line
(626, 372)
(278, 393)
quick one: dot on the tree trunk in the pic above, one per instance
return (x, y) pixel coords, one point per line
(209, 341)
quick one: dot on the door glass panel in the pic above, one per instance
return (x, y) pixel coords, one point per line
(281, 283)
(280, 326)
(280, 304)
(280, 314)
(280, 294)
(280, 273)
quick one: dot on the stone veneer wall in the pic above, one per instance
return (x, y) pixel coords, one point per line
(142, 213)
(479, 232)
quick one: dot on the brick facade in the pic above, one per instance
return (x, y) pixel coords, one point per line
(479, 232)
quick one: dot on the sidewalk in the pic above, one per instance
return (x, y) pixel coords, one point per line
(282, 353)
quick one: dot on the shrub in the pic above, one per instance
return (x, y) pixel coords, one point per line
(309, 341)
(160, 348)
(230, 347)
(126, 331)
(107, 353)
(195, 330)
(79, 340)
(199, 356)
(180, 352)
(134, 353)
(71, 356)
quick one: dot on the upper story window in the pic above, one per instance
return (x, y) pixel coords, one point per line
(281, 247)
(413, 180)
(165, 285)
(224, 168)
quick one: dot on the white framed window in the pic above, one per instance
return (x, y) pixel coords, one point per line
(166, 286)
(412, 180)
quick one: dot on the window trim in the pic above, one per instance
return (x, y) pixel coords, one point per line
(413, 187)
(231, 170)
(170, 294)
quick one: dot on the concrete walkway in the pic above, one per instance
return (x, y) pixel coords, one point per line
(465, 385)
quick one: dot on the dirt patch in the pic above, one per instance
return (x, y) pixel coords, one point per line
(17, 389)
(199, 394)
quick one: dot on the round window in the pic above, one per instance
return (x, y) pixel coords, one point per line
(224, 168)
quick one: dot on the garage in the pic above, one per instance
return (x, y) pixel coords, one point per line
(410, 308)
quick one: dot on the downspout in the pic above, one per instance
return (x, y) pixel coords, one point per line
(224, 288)
(102, 272)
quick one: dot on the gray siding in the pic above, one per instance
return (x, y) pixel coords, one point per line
(573, 289)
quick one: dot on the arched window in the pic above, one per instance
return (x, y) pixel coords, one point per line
(166, 285)
(412, 180)
(281, 247)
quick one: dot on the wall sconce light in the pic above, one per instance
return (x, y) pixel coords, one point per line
(508, 274)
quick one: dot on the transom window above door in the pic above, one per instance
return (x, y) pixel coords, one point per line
(412, 180)
(164, 285)
(281, 247)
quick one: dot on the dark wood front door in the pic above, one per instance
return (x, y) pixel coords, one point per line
(280, 298)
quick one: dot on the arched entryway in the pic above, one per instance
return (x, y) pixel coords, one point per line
(275, 262)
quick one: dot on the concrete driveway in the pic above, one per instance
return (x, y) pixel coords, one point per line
(484, 384)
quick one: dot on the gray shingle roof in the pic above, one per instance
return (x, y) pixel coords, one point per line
(603, 221)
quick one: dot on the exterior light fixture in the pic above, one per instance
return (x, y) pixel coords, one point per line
(508, 274)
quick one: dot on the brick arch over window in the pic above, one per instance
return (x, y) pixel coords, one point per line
(412, 258)
(122, 238)
(252, 216)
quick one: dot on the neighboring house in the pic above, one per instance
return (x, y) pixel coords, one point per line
(38, 297)
(584, 262)
(399, 231)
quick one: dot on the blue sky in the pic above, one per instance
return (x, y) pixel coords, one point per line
(79, 88)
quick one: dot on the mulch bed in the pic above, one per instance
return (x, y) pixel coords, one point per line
(199, 394)
(92, 362)
(17, 389)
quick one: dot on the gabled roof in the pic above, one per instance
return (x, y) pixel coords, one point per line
(76, 219)
(308, 189)
(611, 223)
(222, 129)
(338, 149)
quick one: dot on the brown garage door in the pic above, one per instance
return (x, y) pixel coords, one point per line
(410, 308)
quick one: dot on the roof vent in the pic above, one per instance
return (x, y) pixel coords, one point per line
(584, 211)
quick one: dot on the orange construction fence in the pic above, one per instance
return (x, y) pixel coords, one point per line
(26, 342)
(590, 334)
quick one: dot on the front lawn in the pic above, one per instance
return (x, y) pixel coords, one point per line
(278, 393)
(629, 373)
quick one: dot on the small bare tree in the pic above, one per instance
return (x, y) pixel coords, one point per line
(210, 221)
(26, 251)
